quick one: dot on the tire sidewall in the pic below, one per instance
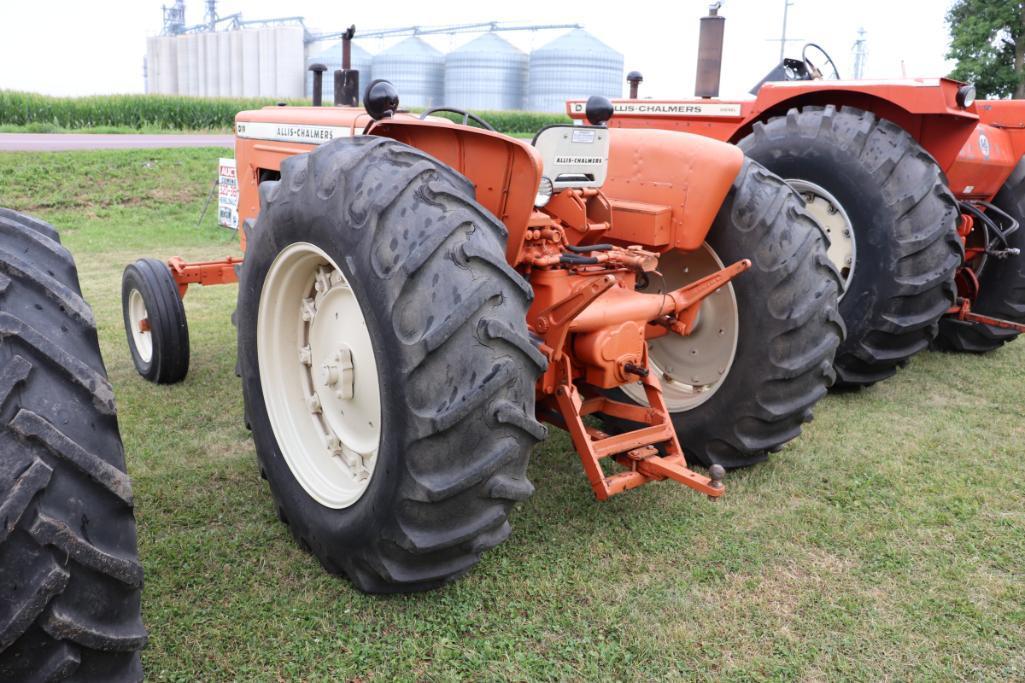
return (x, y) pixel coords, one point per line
(133, 280)
(360, 521)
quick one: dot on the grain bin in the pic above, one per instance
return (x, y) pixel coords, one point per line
(182, 64)
(250, 63)
(331, 57)
(486, 73)
(223, 64)
(235, 63)
(575, 65)
(416, 69)
(152, 65)
(195, 70)
(268, 63)
(210, 64)
(289, 65)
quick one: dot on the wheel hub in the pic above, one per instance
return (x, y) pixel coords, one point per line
(325, 407)
(138, 320)
(692, 367)
(830, 214)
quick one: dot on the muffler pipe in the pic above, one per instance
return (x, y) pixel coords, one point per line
(318, 84)
(710, 38)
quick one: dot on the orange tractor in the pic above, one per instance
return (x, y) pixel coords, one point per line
(417, 293)
(919, 188)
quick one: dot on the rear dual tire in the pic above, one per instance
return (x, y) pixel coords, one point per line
(1001, 284)
(904, 220)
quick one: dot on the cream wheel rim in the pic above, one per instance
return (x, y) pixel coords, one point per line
(138, 322)
(829, 212)
(691, 368)
(319, 377)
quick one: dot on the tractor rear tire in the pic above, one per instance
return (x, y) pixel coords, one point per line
(148, 290)
(455, 371)
(788, 327)
(904, 222)
(1001, 285)
(70, 578)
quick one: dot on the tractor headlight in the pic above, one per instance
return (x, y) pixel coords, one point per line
(544, 192)
(965, 96)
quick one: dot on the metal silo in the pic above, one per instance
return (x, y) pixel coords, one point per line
(289, 51)
(201, 83)
(192, 50)
(576, 65)
(486, 73)
(223, 64)
(268, 62)
(211, 62)
(152, 66)
(416, 69)
(182, 65)
(250, 63)
(331, 57)
(235, 45)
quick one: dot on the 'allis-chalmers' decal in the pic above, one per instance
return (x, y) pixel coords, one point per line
(579, 161)
(287, 132)
(667, 108)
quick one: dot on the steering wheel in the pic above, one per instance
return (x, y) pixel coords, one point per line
(467, 116)
(814, 70)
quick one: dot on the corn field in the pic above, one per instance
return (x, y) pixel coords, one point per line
(170, 112)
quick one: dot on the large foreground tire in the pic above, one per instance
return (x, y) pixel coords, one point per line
(783, 325)
(70, 580)
(149, 293)
(903, 219)
(1001, 284)
(436, 358)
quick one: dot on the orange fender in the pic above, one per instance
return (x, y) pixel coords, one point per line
(505, 171)
(675, 182)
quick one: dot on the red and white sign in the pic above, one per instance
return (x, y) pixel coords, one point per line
(227, 194)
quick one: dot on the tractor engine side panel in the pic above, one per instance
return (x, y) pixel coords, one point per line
(650, 170)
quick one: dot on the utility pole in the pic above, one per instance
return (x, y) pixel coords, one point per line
(783, 40)
(860, 54)
(783, 36)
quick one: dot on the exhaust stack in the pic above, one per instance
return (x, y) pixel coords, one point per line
(318, 84)
(346, 78)
(706, 82)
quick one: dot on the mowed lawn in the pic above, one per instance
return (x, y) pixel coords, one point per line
(886, 543)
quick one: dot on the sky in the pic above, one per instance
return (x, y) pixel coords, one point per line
(76, 47)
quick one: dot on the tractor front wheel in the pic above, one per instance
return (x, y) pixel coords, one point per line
(155, 325)
(385, 363)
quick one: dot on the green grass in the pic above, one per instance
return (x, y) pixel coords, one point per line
(887, 543)
(42, 127)
(33, 113)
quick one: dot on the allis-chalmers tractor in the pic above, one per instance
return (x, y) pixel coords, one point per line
(416, 293)
(920, 189)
